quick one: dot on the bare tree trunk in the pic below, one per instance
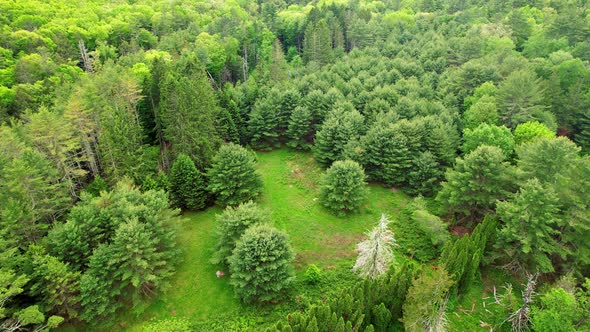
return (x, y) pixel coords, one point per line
(245, 62)
(520, 318)
(85, 58)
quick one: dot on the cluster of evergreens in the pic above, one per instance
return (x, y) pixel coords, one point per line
(117, 115)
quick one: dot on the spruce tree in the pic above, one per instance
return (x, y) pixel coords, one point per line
(232, 177)
(300, 130)
(265, 121)
(187, 185)
(343, 187)
(260, 266)
(339, 129)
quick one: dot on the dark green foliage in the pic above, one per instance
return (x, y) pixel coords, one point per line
(343, 187)
(300, 132)
(265, 121)
(520, 98)
(425, 175)
(260, 266)
(188, 112)
(313, 274)
(545, 158)
(97, 185)
(476, 182)
(187, 185)
(317, 44)
(528, 237)
(232, 177)
(340, 127)
(232, 224)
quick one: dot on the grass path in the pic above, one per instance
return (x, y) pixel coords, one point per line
(290, 188)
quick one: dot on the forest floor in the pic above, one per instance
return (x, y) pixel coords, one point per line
(317, 236)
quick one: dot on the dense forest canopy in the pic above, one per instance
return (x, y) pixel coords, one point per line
(120, 119)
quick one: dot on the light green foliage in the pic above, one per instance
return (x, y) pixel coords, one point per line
(232, 177)
(340, 127)
(529, 131)
(343, 187)
(476, 182)
(559, 311)
(313, 274)
(430, 224)
(490, 135)
(260, 265)
(187, 185)
(172, 324)
(425, 305)
(231, 225)
(529, 235)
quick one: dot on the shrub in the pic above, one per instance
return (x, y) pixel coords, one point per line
(313, 274)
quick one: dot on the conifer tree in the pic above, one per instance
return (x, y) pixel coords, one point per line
(187, 185)
(260, 266)
(232, 177)
(232, 224)
(520, 98)
(317, 43)
(343, 187)
(300, 130)
(424, 175)
(265, 122)
(339, 129)
(375, 254)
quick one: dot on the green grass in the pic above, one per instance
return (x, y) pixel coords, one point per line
(317, 236)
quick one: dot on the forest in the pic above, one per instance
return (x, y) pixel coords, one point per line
(295, 165)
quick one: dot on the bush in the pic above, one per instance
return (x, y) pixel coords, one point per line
(172, 324)
(313, 274)
(260, 266)
(343, 187)
(232, 177)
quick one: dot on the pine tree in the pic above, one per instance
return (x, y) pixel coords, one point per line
(425, 174)
(260, 266)
(375, 254)
(232, 177)
(520, 98)
(187, 185)
(476, 182)
(265, 121)
(300, 130)
(425, 305)
(339, 129)
(343, 187)
(232, 224)
(317, 43)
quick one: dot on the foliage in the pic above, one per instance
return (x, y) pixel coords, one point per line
(341, 126)
(187, 185)
(426, 302)
(169, 325)
(232, 177)
(313, 274)
(343, 187)
(529, 131)
(232, 223)
(491, 135)
(260, 265)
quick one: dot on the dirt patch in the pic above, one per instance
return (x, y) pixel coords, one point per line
(302, 173)
(336, 247)
(459, 230)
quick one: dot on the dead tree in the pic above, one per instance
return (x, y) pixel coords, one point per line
(520, 318)
(85, 57)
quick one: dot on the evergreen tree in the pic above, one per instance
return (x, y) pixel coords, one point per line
(528, 237)
(187, 185)
(476, 182)
(232, 224)
(426, 302)
(520, 98)
(340, 127)
(232, 177)
(343, 187)
(188, 110)
(424, 176)
(317, 43)
(265, 121)
(300, 132)
(547, 159)
(260, 266)
(375, 254)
